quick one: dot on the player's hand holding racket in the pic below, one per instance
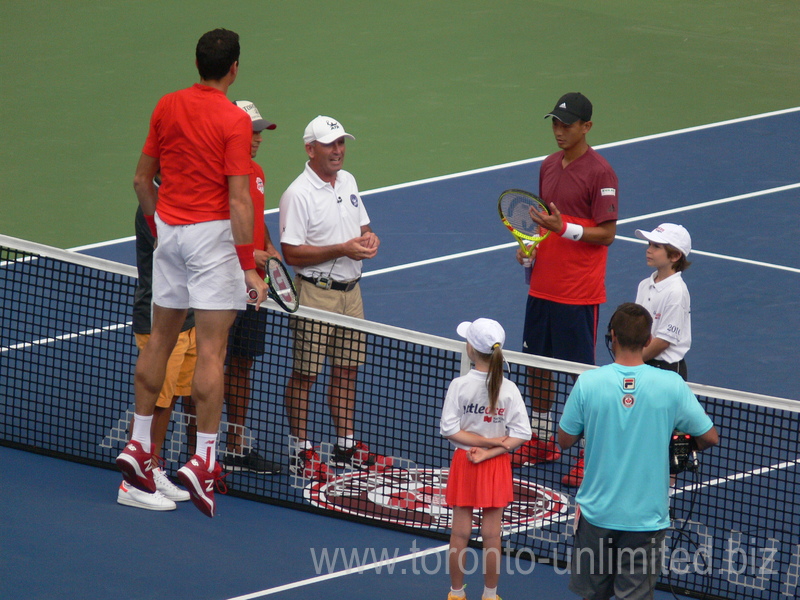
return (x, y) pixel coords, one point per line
(515, 208)
(256, 288)
(279, 286)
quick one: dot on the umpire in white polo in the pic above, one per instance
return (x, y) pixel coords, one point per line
(325, 234)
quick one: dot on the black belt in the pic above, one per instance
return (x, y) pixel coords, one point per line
(339, 286)
(679, 367)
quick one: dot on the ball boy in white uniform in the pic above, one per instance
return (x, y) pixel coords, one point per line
(666, 297)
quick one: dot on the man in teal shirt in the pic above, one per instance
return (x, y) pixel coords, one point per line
(627, 412)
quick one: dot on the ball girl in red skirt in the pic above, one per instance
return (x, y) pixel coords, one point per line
(485, 418)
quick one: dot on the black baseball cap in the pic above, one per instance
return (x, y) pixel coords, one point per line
(572, 107)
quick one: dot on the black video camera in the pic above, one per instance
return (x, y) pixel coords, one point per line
(682, 453)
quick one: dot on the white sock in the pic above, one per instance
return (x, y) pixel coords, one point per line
(296, 445)
(207, 448)
(489, 593)
(346, 442)
(141, 430)
(540, 424)
(458, 593)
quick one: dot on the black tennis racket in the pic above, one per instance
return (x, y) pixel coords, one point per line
(279, 286)
(514, 208)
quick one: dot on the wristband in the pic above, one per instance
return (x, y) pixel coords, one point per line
(572, 231)
(151, 223)
(247, 256)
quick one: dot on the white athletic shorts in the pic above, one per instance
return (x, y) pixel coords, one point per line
(195, 266)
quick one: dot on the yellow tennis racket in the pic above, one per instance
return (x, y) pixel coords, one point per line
(514, 207)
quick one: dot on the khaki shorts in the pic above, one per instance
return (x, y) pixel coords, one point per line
(180, 367)
(314, 341)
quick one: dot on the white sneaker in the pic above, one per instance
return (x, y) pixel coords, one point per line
(169, 489)
(130, 496)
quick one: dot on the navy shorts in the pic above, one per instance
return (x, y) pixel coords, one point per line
(563, 331)
(247, 337)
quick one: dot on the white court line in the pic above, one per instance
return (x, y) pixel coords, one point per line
(430, 261)
(599, 147)
(775, 190)
(738, 476)
(747, 196)
(343, 573)
(722, 256)
(66, 336)
(515, 163)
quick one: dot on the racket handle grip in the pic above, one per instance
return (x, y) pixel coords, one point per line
(527, 263)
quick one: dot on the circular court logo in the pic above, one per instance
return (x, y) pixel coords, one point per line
(415, 498)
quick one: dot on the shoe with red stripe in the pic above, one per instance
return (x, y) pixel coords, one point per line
(359, 457)
(535, 451)
(575, 476)
(137, 466)
(200, 482)
(128, 495)
(308, 465)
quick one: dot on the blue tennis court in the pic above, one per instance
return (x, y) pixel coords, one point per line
(445, 258)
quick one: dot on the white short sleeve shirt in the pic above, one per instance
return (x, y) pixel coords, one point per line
(315, 213)
(466, 407)
(668, 303)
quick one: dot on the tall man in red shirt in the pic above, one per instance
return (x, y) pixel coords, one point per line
(205, 258)
(568, 277)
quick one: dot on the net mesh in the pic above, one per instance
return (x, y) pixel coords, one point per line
(67, 355)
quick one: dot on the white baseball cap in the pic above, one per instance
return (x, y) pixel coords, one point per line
(482, 334)
(324, 130)
(259, 124)
(668, 233)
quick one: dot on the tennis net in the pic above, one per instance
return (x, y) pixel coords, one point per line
(67, 356)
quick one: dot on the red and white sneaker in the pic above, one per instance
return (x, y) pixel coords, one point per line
(200, 482)
(535, 451)
(575, 476)
(308, 465)
(359, 457)
(137, 466)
